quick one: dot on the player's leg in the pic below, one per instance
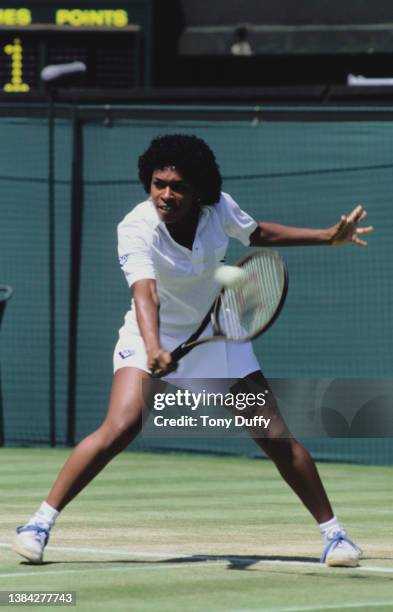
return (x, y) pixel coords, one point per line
(121, 425)
(292, 460)
(123, 422)
(298, 469)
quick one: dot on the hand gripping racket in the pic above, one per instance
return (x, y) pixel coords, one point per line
(246, 311)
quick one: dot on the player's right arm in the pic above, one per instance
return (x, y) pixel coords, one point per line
(147, 307)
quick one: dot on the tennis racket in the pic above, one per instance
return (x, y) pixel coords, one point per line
(244, 312)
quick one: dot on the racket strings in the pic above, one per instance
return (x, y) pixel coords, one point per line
(248, 308)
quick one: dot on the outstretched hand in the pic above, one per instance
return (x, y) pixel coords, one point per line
(347, 230)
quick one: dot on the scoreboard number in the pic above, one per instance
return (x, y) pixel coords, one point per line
(16, 84)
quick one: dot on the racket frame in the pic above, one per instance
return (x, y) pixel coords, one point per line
(212, 315)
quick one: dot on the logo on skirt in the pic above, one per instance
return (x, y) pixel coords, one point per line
(126, 353)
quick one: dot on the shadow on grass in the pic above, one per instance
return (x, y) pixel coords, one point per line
(239, 562)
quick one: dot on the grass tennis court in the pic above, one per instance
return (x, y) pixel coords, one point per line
(187, 532)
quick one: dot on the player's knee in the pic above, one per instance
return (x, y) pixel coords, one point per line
(279, 449)
(116, 435)
(285, 451)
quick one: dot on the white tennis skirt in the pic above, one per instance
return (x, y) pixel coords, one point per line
(218, 359)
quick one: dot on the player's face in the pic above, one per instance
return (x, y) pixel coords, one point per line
(172, 195)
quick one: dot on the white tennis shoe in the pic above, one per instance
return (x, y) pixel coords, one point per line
(340, 551)
(31, 540)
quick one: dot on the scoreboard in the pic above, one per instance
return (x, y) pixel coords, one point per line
(113, 39)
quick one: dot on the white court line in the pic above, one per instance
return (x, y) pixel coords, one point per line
(216, 559)
(107, 551)
(94, 569)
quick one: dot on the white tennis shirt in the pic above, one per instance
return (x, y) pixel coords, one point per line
(185, 278)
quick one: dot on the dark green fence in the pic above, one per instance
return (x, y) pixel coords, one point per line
(294, 166)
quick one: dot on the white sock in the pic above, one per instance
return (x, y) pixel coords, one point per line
(331, 526)
(45, 515)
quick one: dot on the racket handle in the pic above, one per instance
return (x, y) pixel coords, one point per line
(177, 354)
(160, 373)
(156, 373)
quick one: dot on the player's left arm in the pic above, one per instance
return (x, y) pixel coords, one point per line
(346, 231)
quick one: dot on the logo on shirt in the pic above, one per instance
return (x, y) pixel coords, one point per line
(126, 353)
(123, 259)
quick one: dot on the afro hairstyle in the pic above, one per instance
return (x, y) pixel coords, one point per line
(191, 156)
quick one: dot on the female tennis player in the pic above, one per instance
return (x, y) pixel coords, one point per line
(169, 248)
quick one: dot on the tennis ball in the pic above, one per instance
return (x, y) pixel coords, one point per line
(229, 276)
